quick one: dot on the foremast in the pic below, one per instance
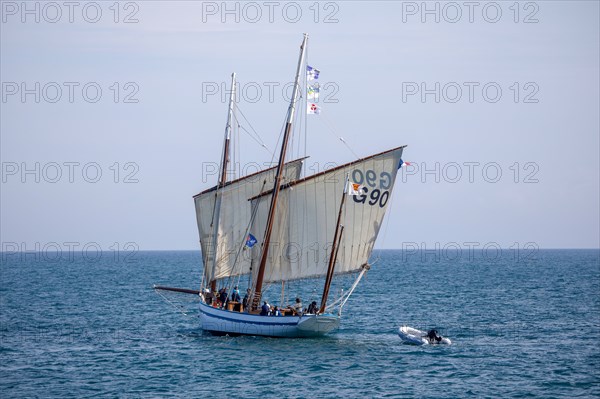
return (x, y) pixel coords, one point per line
(275, 193)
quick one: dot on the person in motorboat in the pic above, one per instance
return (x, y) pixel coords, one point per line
(433, 336)
(414, 336)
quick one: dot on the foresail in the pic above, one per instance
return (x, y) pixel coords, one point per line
(233, 221)
(307, 212)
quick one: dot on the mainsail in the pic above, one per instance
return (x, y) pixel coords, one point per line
(235, 214)
(306, 219)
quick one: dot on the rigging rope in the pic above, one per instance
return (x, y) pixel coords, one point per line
(178, 307)
(254, 134)
(329, 124)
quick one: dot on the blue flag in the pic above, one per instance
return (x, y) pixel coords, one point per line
(402, 163)
(312, 73)
(250, 241)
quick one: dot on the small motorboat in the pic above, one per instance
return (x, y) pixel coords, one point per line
(412, 336)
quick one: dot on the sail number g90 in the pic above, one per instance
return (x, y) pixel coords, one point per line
(376, 188)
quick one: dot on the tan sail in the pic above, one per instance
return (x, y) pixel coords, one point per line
(233, 220)
(306, 218)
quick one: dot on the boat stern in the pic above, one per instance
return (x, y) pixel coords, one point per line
(316, 325)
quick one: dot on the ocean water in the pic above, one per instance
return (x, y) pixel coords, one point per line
(522, 325)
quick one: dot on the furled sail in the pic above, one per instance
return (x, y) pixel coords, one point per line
(307, 212)
(233, 220)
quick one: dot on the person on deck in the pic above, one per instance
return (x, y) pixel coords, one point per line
(276, 312)
(223, 296)
(312, 308)
(297, 307)
(208, 296)
(265, 309)
(246, 299)
(235, 295)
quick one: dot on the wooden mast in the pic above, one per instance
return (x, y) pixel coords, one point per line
(332, 258)
(225, 160)
(275, 193)
(222, 181)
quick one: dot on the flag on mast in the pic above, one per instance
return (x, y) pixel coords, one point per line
(355, 188)
(312, 92)
(312, 73)
(402, 163)
(250, 241)
(312, 108)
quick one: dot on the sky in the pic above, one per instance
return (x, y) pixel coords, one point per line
(112, 115)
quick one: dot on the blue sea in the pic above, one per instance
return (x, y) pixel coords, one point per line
(522, 325)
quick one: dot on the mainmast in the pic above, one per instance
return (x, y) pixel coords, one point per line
(275, 193)
(222, 181)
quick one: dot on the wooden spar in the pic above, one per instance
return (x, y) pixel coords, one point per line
(247, 177)
(292, 183)
(337, 250)
(222, 182)
(337, 236)
(225, 160)
(182, 290)
(288, 129)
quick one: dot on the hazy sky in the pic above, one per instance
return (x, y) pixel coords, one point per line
(113, 115)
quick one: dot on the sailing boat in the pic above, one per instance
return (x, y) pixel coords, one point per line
(276, 227)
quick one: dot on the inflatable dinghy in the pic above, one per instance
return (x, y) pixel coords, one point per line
(412, 336)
